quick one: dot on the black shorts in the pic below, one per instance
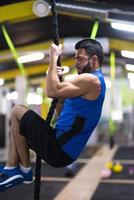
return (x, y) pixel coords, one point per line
(41, 138)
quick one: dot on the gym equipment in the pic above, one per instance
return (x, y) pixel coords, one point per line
(131, 171)
(109, 165)
(106, 173)
(117, 168)
(53, 104)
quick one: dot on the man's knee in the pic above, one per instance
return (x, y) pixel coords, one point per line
(18, 111)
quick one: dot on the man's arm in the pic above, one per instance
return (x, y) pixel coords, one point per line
(52, 79)
(80, 86)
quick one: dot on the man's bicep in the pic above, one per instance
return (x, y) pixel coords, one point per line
(73, 88)
(69, 90)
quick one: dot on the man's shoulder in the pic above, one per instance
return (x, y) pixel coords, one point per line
(85, 75)
(88, 77)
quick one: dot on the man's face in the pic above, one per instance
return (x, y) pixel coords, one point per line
(83, 62)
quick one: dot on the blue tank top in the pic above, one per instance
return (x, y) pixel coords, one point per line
(88, 109)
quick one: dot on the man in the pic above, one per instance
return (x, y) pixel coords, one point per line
(83, 100)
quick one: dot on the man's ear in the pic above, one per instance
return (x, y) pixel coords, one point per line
(94, 59)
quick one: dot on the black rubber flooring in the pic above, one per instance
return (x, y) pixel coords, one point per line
(113, 191)
(49, 188)
(118, 191)
(124, 153)
(25, 192)
(127, 173)
(48, 171)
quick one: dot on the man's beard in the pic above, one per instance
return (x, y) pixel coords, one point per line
(86, 69)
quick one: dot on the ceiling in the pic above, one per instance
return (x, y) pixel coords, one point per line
(75, 19)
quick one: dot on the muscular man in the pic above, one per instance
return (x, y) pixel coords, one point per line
(60, 146)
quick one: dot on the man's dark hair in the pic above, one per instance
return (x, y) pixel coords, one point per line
(92, 47)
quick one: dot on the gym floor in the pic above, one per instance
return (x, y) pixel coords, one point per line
(87, 183)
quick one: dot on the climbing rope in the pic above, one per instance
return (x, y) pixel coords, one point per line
(37, 184)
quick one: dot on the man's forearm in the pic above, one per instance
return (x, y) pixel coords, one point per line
(52, 80)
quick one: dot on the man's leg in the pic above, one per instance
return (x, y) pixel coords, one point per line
(18, 153)
(12, 152)
(18, 146)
